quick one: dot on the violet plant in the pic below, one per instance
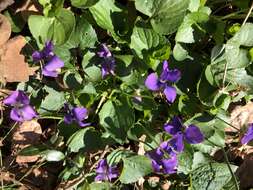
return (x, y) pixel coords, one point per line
(22, 110)
(52, 62)
(108, 66)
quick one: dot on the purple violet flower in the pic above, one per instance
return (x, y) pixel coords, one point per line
(21, 110)
(53, 62)
(155, 83)
(76, 114)
(248, 136)
(106, 172)
(108, 63)
(160, 160)
(46, 53)
(191, 134)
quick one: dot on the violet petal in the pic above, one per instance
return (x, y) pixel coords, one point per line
(170, 93)
(54, 63)
(152, 82)
(169, 165)
(193, 135)
(17, 97)
(174, 126)
(248, 136)
(177, 142)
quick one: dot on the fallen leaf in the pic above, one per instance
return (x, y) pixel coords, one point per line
(27, 8)
(240, 116)
(5, 29)
(28, 133)
(13, 67)
(245, 173)
(5, 3)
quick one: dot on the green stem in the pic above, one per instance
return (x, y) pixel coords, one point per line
(227, 123)
(231, 171)
(50, 117)
(231, 15)
(248, 14)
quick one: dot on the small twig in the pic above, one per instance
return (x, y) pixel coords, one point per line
(102, 100)
(13, 127)
(1, 166)
(248, 14)
(100, 157)
(32, 168)
(231, 171)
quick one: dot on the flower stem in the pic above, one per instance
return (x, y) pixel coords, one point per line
(50, 117)
(230, 169)
(248, 14)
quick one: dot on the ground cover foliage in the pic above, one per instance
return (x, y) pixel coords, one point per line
(126, 94)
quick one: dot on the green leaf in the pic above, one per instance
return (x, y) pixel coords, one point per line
(100, 186)
(117, 117)
(194, 5)
(89, 64)
(117, 155)
(237, 60)
(110, 16)
(87, 139)
(72, 80)
(145, 39)
(84, 35)
(39, 27)
(134, 168)
(180, 53)
(83, 3)
(51, 7)
(244, 36)
(33, 150)
(88, 89)
(185, 31)
(185, 161)
(199, 159)
(159, 54)
(94, 73)
(102, 13)
(165, 15)
(57, 28)
(53, 155)
(53, 101)
(211, 176)
(205, 91)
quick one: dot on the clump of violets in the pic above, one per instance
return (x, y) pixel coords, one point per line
(108, 63)
(248, 136)
(161, 83)
(181, 133)
(105, 172)
(76, 114)
(22, 110)
(52, 62)
(163, 159)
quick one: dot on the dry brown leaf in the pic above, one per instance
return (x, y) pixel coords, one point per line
(28, 133)
(5, 29)
(245, 173)
(5, 3)
(240, 116)
(13, 67)
(28, 7)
